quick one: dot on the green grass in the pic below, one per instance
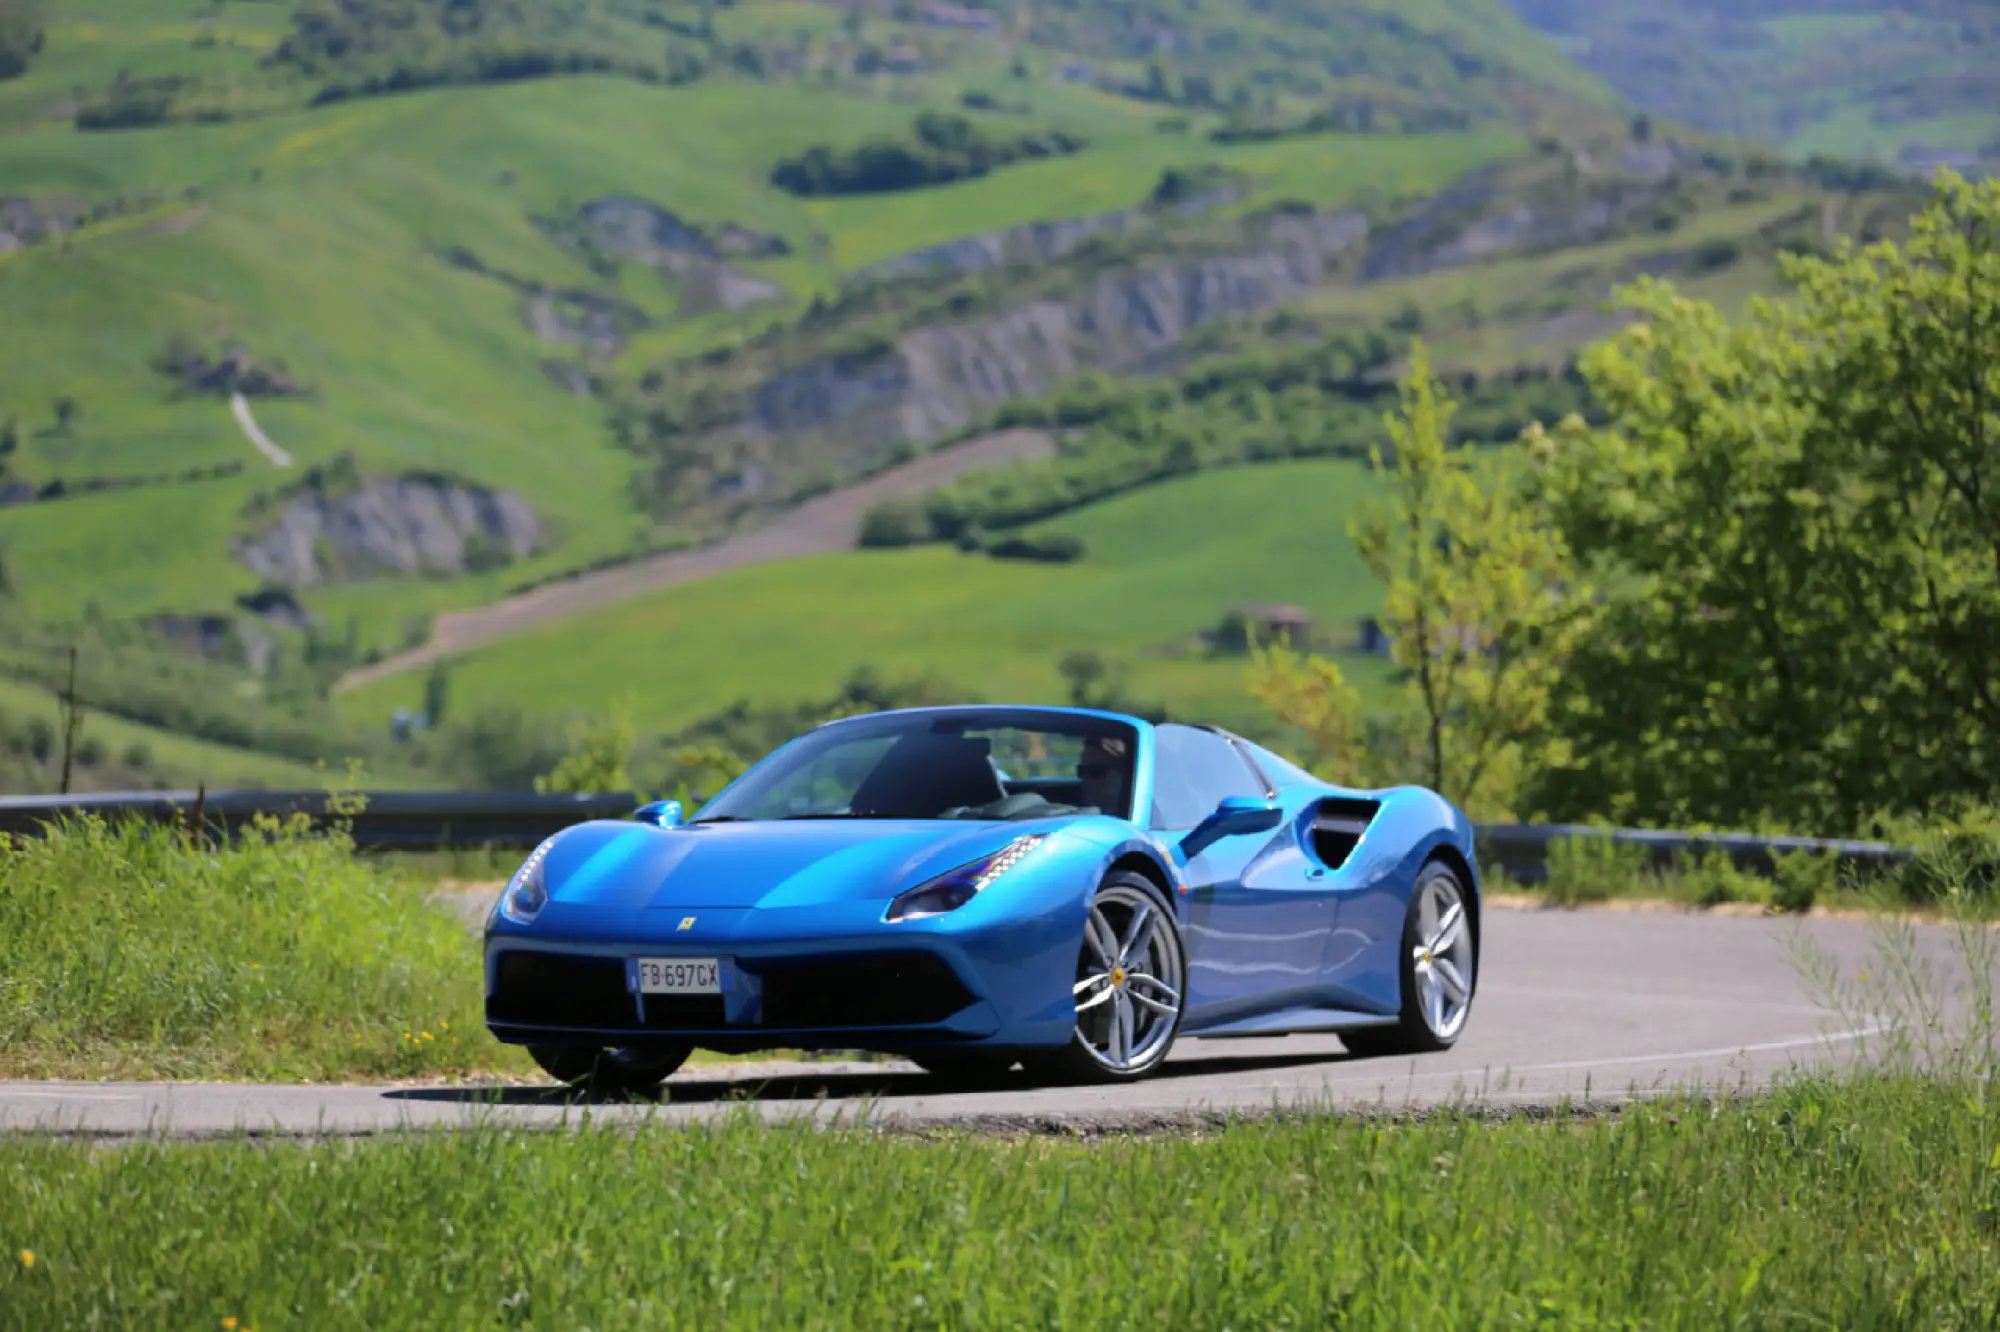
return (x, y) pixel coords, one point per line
(126, 955)
(1859, 1204)
(1163, 563)
(177, 759)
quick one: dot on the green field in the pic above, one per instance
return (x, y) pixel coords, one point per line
(1162, 564)
(175, 761)
(1866, 1203)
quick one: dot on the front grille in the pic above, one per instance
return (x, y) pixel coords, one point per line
(561, 990)
(865, 990)
(685, 1012)
(538, 989)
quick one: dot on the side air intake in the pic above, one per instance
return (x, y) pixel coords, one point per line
(1337, 828)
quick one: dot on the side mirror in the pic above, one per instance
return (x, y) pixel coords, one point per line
(661, 814)
(1234, 816)
(1243, 814)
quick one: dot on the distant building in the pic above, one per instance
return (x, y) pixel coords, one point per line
(1077, 73)
(1247, 625)
(1372, 640)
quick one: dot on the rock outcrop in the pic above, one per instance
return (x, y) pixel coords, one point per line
(642, 232)
(935, 379)
(407, 526)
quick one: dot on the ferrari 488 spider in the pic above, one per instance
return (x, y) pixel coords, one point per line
(976, 887)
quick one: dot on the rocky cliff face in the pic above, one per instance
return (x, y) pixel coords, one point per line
(1036, 243)
(638, 230)
(409, 526)
(936, 378)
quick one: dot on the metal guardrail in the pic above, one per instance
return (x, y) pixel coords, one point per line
(435, 820)
(387, 820)
(1522, 850)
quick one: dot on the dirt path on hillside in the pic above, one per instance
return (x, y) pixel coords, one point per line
(239, 407)
(820, 526)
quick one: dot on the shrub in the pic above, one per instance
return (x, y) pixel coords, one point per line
(1053, 548)
(1591, 869)
(900, 521)
(126, 952)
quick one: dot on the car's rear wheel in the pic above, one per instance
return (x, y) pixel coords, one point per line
(624, 1069)
(1439, 955)
(1130, 988)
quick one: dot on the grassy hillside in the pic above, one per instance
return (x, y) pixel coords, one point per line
(314, 240)
(534, 263)
(1162, 565)
(1843, 78)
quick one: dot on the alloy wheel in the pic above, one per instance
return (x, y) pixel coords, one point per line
(1130, 981)
(1442, 960)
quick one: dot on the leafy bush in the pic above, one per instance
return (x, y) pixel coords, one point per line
(1592, 869)
(898, 521)
(1052, 548)
(130, 104)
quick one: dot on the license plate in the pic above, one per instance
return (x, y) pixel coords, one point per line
(680, 975)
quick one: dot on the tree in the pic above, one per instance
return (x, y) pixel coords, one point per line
(1800, 514)
(65, 409)
(1312, 694)
(599, 750)
(21, 23)
(1479, 605)
(437, 694)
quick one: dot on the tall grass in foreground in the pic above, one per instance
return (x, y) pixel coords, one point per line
(1870, 1203)
(126, 953)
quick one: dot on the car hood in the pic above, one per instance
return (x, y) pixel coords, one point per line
(781, 864)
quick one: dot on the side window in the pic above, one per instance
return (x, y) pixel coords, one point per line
(1193, 772)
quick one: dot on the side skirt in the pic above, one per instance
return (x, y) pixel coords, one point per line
(1288, 1020)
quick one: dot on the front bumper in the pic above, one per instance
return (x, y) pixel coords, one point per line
(919, 988)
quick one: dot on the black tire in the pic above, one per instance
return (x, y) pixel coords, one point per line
(622, 1071)
(1413, 1032)
(1077, 1061)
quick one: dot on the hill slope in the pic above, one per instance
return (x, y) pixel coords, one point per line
(1907, 81)
(520, 289)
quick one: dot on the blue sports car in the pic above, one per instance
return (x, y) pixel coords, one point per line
(976, 887)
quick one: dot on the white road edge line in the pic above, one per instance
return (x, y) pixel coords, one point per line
(239, 406)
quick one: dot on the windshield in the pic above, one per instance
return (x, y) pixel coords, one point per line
(961, 765)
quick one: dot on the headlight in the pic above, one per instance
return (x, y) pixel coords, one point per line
(952, 890)
(527, 892)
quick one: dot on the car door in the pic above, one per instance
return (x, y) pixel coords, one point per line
(1257, 917)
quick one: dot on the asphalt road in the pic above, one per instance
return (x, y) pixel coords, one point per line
(1586, 1005)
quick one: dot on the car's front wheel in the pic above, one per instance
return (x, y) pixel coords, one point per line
(1131, 984)
(1438, 958)
(626, 1069)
